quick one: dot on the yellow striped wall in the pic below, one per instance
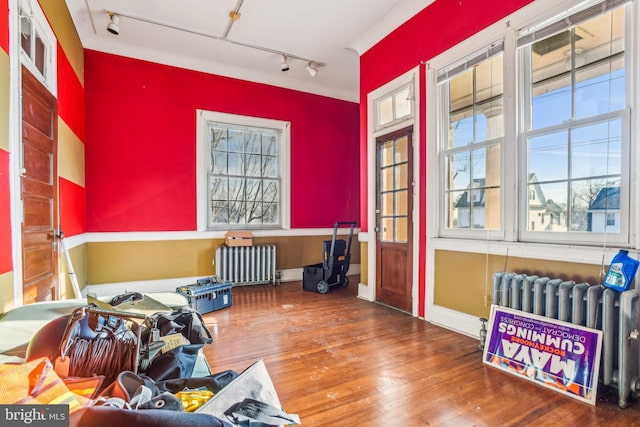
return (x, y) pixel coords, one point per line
(6, 296)
(110, 262)
(463, 281)
(71, 154)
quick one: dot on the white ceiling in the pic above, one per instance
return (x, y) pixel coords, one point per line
(331, 32)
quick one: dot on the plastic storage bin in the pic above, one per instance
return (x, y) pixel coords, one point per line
(206, 296)
(311, 275)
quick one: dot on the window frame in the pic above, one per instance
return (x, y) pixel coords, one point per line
(512, 158)
(392, 95)
(203, 118)
(622, 238)
(31, 10)
(489, 50)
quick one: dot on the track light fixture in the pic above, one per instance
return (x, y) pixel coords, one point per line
(311, 67)
(285, 65)
(112, 26)
(313, 71)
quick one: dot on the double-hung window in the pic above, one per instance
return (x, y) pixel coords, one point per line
(574, 122)
(562, 146)
(471, 139)
(244, 162)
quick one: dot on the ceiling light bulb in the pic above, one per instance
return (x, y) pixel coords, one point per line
(285, 65)
(313, 71)
(112, 26)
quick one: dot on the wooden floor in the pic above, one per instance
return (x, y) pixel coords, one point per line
(337, 360)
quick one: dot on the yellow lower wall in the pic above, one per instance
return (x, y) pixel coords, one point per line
(78, 257)
(112, 262)
(364, 263)
(6, 292)
(463, 281)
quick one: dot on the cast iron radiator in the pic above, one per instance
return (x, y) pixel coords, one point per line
(615, 313)
(246, 265)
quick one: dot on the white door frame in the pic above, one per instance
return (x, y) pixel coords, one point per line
(368, 291)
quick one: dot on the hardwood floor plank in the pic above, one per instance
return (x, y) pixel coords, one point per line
(338, 360)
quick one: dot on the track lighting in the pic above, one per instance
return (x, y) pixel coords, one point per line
(112, 26)
(313, 71)
(285, 65)
(311, 67)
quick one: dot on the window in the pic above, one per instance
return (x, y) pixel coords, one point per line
(394, 107)
(573, 115)
(563, 142)
(37, 44)
(472, 120)
(244, 165)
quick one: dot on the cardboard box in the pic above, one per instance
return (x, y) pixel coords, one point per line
(238, 238)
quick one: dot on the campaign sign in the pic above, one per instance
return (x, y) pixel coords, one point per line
(557, 355)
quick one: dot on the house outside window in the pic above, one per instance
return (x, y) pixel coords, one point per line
(244, 163)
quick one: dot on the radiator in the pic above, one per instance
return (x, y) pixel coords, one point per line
(246, 265)
(615, 313)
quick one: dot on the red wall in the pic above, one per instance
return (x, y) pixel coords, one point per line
(140, 144)
(71, 201)
(438, 27)
(72, 207)
(4, 25)
(5, 215)
(6, 263)
(70, 95)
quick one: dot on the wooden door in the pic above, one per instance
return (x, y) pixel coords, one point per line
(394, 222)
(39, 191)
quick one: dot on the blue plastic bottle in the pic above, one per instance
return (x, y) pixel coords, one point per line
(621, 272)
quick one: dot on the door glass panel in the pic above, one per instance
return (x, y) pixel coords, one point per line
(386, 157)
(387, 204)
(386, 179)
(402, 176)
(387, 229)
(402, 149)
(395, 180)
(401, 203)
(401, 230)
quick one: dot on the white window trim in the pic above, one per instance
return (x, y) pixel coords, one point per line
(528, 16)
(205, 116)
